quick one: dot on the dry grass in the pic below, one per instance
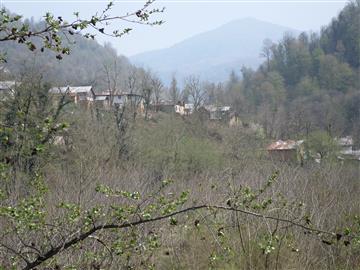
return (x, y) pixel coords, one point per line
(214, 163)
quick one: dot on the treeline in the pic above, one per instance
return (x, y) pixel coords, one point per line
(306, 83)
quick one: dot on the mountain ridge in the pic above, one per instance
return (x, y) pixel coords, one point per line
(238, 41)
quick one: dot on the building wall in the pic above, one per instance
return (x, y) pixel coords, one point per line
(287, 155)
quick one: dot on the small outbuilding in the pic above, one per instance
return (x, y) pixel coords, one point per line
(288, 150)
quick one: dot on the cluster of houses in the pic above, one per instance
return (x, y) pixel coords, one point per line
(211, 112)
(295, 151)
(86, 96)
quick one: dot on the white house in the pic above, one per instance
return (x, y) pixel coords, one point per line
(83, 94)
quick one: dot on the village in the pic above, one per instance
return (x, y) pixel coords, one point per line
(294, 151)
(156, 134)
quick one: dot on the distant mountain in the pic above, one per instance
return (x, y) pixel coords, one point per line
(213, 54)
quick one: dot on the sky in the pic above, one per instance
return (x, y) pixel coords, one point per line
(185, 18)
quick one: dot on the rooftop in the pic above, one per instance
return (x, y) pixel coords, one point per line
(345, 141)
(284, 145)
(7, 85)
(70, 89)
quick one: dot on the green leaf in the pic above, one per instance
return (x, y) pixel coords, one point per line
(173, 221)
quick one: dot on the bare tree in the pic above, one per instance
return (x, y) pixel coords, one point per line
(112, 72)
(132, 83)
(157, 87)
(146, 90)
(266, 51)
(174, 93)
(210, 90)
(194, 90)
(133, 87)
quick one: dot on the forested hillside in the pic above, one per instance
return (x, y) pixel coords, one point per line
(306, 83)
(85, 66)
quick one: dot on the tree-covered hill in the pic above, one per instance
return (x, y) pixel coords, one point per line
(342, 36)
(307, 82)
(85, 64)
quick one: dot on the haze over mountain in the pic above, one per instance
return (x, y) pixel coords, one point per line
(214, 54)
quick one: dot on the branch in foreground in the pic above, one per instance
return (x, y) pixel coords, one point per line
(54, 29)
(56, 250)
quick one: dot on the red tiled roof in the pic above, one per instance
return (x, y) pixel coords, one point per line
(284, 145)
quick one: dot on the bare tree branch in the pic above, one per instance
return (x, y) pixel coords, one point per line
(54, 251)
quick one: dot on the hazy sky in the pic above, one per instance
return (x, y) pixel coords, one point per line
(185, 18)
